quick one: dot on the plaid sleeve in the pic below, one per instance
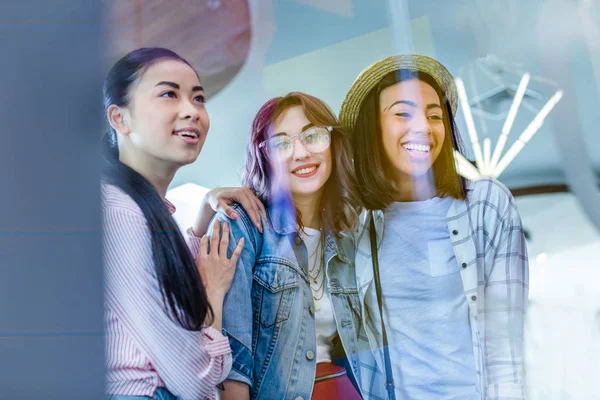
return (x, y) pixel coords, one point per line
(506, 293)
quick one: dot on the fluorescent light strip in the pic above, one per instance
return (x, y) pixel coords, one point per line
(527, 134)
(462, 95)
(465, 168)
(510, 119)
(487, 150)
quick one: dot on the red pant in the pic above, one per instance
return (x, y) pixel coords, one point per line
(332, 382)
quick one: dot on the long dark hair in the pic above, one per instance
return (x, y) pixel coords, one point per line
(340, 203)
(178, 276)
(370, 162)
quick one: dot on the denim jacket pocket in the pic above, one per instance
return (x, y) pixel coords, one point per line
(276, 290)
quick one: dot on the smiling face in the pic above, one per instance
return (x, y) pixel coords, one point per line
(412, 127)
(165, 120)
(305, 172)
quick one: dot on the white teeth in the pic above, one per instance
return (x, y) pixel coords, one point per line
(187, 133)
(424, 148)
(305, 171)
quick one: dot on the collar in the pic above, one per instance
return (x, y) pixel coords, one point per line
(170, 206)
(282, 217)
(335, 247)
(469, 185)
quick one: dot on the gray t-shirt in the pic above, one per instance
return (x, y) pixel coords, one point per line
(425, 308)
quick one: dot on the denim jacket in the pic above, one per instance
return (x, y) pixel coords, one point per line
(268, 313)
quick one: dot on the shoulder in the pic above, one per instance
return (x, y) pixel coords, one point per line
(489, 189)
(490, 193)
(243, 220)
(493, 200)
(242, 226)
(115, 199)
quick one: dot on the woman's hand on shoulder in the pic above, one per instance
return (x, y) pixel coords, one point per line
(221, 199)
(215, 268)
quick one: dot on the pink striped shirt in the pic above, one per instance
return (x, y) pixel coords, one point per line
(145, 347)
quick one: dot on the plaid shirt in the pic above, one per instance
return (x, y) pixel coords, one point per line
(488, 242)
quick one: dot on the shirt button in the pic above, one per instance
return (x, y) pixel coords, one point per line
(455, 232)
(464, 265)
(299, 398)
(310, 355)
(311, 309)
(298, 240)
(473, 298)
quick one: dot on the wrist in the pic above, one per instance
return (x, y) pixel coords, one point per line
(202, 221)
(196, 231)
(216, 296)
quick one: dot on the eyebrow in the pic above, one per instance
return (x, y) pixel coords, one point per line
(176, 86)
(412, 104)
(305, 127)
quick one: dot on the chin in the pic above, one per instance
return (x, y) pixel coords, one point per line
(190, 157)
(182, 161)
(415, 171)
(305, 190)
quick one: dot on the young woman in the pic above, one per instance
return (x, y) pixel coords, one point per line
(164, 297)
(292, 310)
(443, 259)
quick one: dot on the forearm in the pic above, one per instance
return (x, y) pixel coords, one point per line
(203, 219)
(235, 390)
(216, 303)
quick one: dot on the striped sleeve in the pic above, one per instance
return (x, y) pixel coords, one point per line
(190, 364)
(193, 242)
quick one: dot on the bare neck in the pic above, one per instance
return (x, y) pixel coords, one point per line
(309, 209)
(159, 173)
(409, 188)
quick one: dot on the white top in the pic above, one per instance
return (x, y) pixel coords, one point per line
(324, 318)
(425, 308)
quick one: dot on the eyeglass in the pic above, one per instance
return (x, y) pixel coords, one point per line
(314, 140)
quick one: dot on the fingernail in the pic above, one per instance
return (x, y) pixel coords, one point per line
(233, 215)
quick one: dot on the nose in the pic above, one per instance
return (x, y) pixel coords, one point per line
(420, 124)
(189, 110)
(299, 151)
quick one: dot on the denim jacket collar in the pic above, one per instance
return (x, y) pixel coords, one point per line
(282, 217)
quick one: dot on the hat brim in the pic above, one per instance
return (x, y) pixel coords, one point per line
(372, 75)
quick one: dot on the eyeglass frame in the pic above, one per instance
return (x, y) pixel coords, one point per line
(329, 130)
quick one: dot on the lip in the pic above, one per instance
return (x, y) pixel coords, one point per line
(417, 155)
(188, 140)
(189, 129)
(421, 142)
(303, 167)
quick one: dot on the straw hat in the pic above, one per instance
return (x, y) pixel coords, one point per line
(371, 76)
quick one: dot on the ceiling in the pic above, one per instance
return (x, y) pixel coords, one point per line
(319, 48)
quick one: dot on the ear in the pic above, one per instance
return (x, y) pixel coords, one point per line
(116, 117)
